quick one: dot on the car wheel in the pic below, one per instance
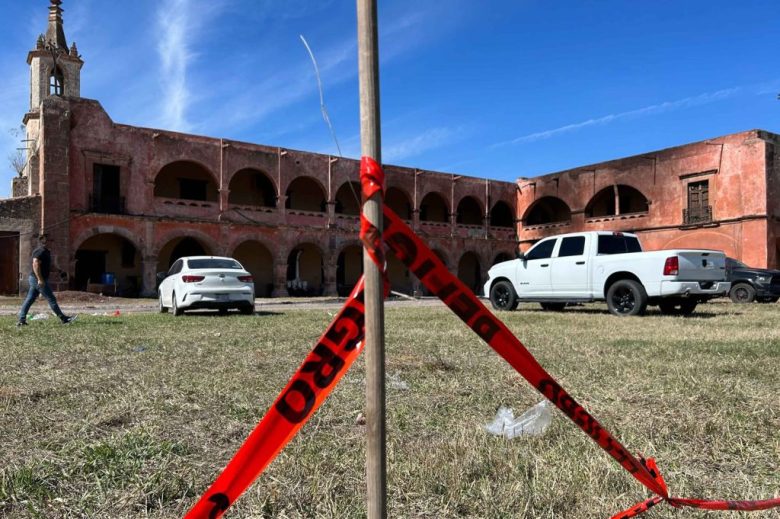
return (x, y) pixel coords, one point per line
(626, 297)
(742, 293)
(503, 296)
(175, 307)
(163, 308)
(247, 310)
(677, 306)
(553, 307)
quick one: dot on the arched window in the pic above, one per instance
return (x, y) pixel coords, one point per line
(548, 209)
(398, 201)
(305, 194)
(56, 82)
(501, 215)
(433, 209)
(469, 212)
(252, 187)
(616, 200)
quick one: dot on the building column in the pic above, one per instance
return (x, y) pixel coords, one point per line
(280, 278)
(148, 276)
(329, 283)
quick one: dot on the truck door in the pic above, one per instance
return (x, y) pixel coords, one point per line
(569, 269)
(533, 273)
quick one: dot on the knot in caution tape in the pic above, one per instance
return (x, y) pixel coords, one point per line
(372, 180)
(342, 342)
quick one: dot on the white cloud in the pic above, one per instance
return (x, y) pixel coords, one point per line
(173, 22)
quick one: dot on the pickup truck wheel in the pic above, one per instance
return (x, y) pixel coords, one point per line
(742, 293)
(677, 306)
(553, 307)
(626, 297)
(503, 296)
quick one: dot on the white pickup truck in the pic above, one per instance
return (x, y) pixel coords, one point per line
(598, 266)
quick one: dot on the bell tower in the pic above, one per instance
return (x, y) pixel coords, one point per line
(55, 70)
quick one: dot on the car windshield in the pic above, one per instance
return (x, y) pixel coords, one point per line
(213, 263)
(734, 264)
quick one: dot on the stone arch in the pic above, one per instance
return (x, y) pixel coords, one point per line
(110, 229)
(469, 211)
(250, 186)
(306, 270)
(349, 268)
(108, 258)
(186, 180)
(433, 208)
(470, 271)
(630, 200)
(191, 243)
(502, 215)
(548, 209)
(348, 199)
(399, 201)
(258, 260)
(305, 194)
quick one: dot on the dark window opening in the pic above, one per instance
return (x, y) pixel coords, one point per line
(128, 254)
(56, 82)
(105, 190)
(191, 189)
(548, 210)
(501, 215)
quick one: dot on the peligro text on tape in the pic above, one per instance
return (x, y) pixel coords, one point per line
(331, 357)
(424, 263)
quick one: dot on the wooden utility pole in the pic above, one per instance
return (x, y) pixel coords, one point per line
(370, 137)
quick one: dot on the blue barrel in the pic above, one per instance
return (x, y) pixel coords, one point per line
(108, 278)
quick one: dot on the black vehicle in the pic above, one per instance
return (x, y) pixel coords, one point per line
(750, 284)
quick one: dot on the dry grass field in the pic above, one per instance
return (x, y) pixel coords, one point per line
(134, 416)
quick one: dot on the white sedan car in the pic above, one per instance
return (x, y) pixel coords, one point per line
(206, 282)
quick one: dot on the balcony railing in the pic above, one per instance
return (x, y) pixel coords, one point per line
(108, 205)
(696, 215)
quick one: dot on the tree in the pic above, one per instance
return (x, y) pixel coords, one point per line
(17, 159)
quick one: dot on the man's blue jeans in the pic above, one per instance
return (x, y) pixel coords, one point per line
(32, 295)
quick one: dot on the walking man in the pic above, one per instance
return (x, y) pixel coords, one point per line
(39, 284)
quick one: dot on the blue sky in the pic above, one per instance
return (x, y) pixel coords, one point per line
(489, 88)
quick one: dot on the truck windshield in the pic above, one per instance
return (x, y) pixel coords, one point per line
(618, 244)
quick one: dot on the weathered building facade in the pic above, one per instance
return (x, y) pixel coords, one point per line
(723, 193)
(129, 201)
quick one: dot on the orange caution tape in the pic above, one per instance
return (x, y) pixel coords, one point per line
(332, 356)
(340, 345)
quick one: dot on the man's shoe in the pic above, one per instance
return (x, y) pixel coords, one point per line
(68, 319)
(21, 323)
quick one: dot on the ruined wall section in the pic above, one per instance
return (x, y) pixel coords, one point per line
(735, 218)
(150, 222)
(22, 215)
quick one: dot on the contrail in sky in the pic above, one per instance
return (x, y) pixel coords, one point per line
(666, 106)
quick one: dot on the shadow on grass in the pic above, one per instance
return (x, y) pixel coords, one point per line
(595, 311)
(217, 313)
